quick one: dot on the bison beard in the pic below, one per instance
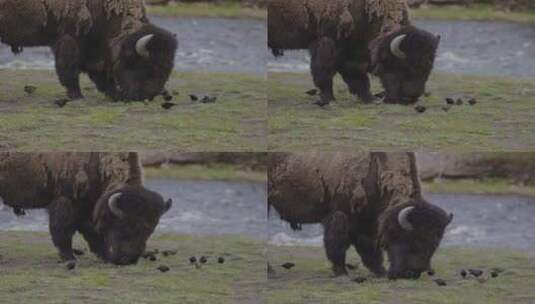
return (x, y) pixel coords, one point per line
(112, 41)
(354, 38)
(372, 202)
(99, 195)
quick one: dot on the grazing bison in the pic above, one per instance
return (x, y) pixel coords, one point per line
(354, 38)
(100, 195)
(112, 41)
(371, 201)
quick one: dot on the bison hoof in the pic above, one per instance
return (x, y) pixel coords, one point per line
(322, 103)
(339, 271)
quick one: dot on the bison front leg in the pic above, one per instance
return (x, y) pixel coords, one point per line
(104, 84)
(323, 67)
(336, 241)
(355, 75)
(370, 254)
(67, 57)
(94, 240)
(62, 227)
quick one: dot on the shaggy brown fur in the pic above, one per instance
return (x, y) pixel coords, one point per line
(357, 198)
(75, 189)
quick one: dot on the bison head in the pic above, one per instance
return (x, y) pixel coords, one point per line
(410, 234)
(125, 218)
(403, 61)
(143, 63)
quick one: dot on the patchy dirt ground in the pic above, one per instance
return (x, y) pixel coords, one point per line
(309, 280)
(235, 122)
(31, 273)
(501, 118)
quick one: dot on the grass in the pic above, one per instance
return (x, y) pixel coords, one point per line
(222, 172)
(500, 120)
(493, 186)
(227, 9)
(309, 281)
(236, 122)
(479, 12)
(30, 272)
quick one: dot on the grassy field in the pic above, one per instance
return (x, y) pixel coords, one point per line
(309, 281)
(236, 122)
(31, 274)
(492, 186)
(502, 118)
(221, 172)
(480, 12)
(227, 9)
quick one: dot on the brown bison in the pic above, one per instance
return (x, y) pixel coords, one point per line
(354, 38)
(112, 41)
(371, 201)
(99, 195)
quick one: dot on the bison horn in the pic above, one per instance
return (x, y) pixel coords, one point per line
(112, 203)
(403, 219)
(395, 47)
(141, 45)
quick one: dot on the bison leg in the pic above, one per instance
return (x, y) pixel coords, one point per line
(355, 75)
(62, 227)
(323, 67)
(336, 241)
(370, 254)
(93, 239)
(67, 57)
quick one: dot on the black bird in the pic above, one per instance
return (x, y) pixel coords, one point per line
(288, 265)
(152, 258)
(168, 105)
(472, 101)
(221, 260)
(420, 108)
(61, 102)
(192, 259)
(475, 272)
(431, 272)
(312, 92)
(494, 274)
(163, 268)
(463, 273)
(30, 89)
(450, 101)
(440, 282)
(193, 97)
(208, 99)
(203, 260)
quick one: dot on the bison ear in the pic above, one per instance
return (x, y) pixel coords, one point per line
(167, 206)
(450, 218)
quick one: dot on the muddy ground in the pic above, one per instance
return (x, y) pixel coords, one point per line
(31, 273)
(235, 122)
(501, 118)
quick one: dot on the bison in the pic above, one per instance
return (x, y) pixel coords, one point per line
(100, 195)
(126, 56)
(354, 38)
(371, 201)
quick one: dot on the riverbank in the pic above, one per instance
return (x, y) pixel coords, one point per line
(210, 10)
(212, 172)
(309, 280)
(477, 12)
(501, 117)
(490, 186)
(33, 122)
(31, 274)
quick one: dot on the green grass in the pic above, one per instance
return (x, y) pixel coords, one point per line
(236, 122)
(502, 118)
(309, 281)
(227, 9)
(479, 12)
(30, 272)
(494, 186)
(222, 172)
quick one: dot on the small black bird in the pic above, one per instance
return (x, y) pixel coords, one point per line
(168, 105)
(420, 108)
(71, 265)
(152, 258)
(450, 101)
(494, 274)
(440, 282)
(203, 260)
(208, 99)
(472, 101)
(463, 273)
(192, 259)
(359, 280)
(459, 101)
(221, 260)
(312, 92)
(431, 272)
(163, 268)
(30, 89)
(61, 102)
(475, 272)
(288, 265)
(193, 97)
